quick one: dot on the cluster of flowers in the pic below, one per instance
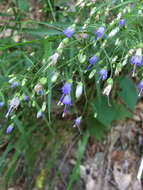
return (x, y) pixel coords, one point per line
(65, 99)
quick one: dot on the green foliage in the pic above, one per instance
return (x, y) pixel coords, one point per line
(33, 51)
(128, 92)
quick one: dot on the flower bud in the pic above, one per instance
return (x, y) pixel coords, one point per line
(79, 90)
(113, 32)
(108, 88)
(53, 58)
(139, 52)
(81, 58)
(38, 88)
(92, 73)
(54, 77)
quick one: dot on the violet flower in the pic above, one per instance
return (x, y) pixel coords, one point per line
(77, 121)
(99, 32)
(92, 60)
(68, 32)
(13, 85)
(9, 129)
(25, 98)
(121, 23)
(140, 86)
(66, 102)
(136, 60)
(1, 104)
(65, 90)
(39, 114)
(103, 74)
(13, 104)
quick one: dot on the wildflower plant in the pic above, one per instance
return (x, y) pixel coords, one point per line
(77, 61)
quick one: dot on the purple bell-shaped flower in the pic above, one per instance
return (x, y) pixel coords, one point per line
(13, 85)
(68, 32)
(66, 102)
(99, 32)
(65, 90)
(103, 74)
(13, 104)
(136, 60)
(121, 23)
(9, 129)
(92, 60)
(140, 86)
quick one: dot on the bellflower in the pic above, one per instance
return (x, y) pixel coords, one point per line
(121, 23)
(92, 60)
(68, 32)
(103, 74)
(42, 92)
(13, 85)
(25, 98)
(77, 121)
(65, 90)
(9, 129)
(66, 102)
(99, 32)
(13, 104)
(79, 89)
(136, 60)
(140, 86)
(39, 114)
(1, 104)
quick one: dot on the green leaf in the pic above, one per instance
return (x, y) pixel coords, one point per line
(128, 92)
(23, 5)
(95, 128)
(121, 112)
(105, 113)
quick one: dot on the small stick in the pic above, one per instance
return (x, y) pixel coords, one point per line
(140, 170)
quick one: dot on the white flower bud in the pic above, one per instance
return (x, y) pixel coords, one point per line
(114, 59)
(53, 59)
(37, 88)
(119, 15)
(117, 42)
(139, 52)
(107, 90)
(54, 77)
(79, 90)
(140, 13)
(113, 32)
(81, 58)
(130, 52)
(92, 73)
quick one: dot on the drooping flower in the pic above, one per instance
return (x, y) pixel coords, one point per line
(77, 121)
(13, 104)
(92, 60)
(140, 86)
(103, 74)
(53, 58)
(13, 85)
(65, 90)
(66, 102)
(1, 104)
(42, 92)
(136, 60)
(25, 98)
(69, 31)
(9, 129)
(79, 89)
(39, 114)
(108, 88)
(99, 32)
(121, 23)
